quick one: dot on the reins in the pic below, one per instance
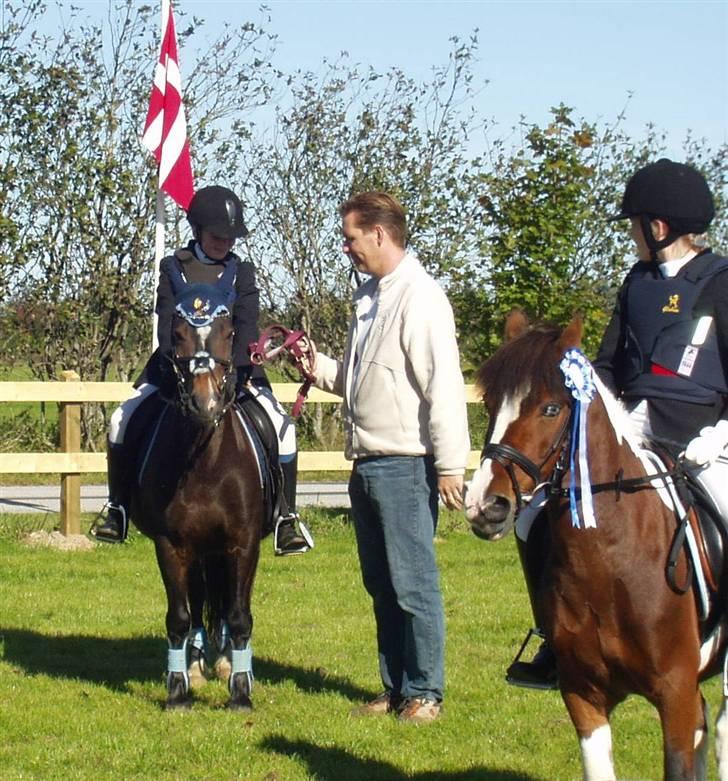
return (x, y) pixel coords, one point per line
(508, 457)
(299, 348)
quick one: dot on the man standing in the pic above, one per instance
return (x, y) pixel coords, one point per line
(406, 431)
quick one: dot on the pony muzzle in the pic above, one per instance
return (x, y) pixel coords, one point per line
(494, 518)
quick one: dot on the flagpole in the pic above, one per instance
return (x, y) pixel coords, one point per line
(158, 255)
(165, 136)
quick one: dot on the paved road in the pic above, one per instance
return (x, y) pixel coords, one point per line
(46, 498)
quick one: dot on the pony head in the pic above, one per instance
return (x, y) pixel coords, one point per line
(528, 409)
(202, 334)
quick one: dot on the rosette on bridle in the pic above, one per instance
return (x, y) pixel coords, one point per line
(579, 379)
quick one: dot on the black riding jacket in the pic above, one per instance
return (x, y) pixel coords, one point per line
(245, 309)
(656, 347)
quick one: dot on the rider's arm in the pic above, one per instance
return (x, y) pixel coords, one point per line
(245, 322)
(713, 300)
(606, 362)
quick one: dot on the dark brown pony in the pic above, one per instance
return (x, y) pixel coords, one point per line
(199, 498)
(616, 625)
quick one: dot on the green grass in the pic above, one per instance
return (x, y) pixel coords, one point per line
(83, 656)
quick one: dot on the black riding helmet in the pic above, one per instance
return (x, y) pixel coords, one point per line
(673, 192)
(218, 210)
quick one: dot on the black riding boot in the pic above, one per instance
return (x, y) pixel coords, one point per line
(540, 672)
(116, 523)
(291, 536)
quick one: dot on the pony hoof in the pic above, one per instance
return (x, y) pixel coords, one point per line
(178, 705)
(240, 706)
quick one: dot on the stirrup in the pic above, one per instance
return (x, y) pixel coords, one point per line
(298, 526)
(533, 674)
(105, 536)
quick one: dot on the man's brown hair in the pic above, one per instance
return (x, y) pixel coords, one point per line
(377, 208)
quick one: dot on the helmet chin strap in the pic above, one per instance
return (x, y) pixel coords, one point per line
(652, 243)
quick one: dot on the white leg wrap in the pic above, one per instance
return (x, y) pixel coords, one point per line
(177, 662)
(198, 639)
(242, 662)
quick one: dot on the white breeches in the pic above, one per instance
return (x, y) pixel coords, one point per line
(283, 423)
(122, 414)
(714, 477)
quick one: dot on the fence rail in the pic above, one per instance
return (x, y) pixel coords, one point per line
(71, 462)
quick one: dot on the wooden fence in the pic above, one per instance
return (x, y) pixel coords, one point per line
(70, 462)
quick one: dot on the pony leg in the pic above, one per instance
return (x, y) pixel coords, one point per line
(701, 745)
(680, 710)
(174, 570)
(721, 741)
(240, 622)
(595, 737)
(197, 669)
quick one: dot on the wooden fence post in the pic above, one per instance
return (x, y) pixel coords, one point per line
(70, 425)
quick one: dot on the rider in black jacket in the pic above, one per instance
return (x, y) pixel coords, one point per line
(216, 217)
(665, 350)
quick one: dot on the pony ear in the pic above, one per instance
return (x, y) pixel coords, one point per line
(571, 335)
(516, 324)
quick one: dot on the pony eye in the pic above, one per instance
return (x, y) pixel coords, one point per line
(551, 410)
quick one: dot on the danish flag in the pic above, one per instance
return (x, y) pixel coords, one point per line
(165, 131)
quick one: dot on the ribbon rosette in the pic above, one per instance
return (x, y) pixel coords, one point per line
(579, 379)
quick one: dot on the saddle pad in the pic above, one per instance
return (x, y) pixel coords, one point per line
(257, 446)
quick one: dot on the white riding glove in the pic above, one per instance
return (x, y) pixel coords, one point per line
(708, 445)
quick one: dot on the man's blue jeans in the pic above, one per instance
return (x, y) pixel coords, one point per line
(394, 507)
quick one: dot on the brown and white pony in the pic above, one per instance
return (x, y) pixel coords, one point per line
(616, 625)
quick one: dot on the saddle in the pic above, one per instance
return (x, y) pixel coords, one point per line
(256, 419)
(142, 435)
(710, 533)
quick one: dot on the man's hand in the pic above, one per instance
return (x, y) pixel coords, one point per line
(451, 491)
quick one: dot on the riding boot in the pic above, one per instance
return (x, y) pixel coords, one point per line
(291, 536)
(116, 522)
(540, 672)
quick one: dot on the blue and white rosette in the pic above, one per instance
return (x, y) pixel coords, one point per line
(579, 379)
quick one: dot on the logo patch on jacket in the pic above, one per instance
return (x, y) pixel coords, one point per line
(673, 304)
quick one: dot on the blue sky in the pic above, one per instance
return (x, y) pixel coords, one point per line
(671, 56)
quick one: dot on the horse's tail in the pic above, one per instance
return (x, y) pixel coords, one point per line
(216, 597)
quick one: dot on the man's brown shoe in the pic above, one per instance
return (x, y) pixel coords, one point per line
(420, 710)
(384, 703)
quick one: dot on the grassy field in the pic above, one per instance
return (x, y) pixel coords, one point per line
(83, 655)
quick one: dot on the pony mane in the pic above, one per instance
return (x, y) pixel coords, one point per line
(528, 362)
(624, 427)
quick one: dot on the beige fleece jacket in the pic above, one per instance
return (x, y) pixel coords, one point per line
(407, 396)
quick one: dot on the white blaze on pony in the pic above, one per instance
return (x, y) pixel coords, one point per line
(478, 486)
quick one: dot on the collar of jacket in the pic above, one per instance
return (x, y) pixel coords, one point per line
(405, 268)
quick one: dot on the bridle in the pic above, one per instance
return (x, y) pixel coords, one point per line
(509, 458)
(203, 362)
(300, 350)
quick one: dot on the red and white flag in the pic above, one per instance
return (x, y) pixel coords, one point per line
(165, 131)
